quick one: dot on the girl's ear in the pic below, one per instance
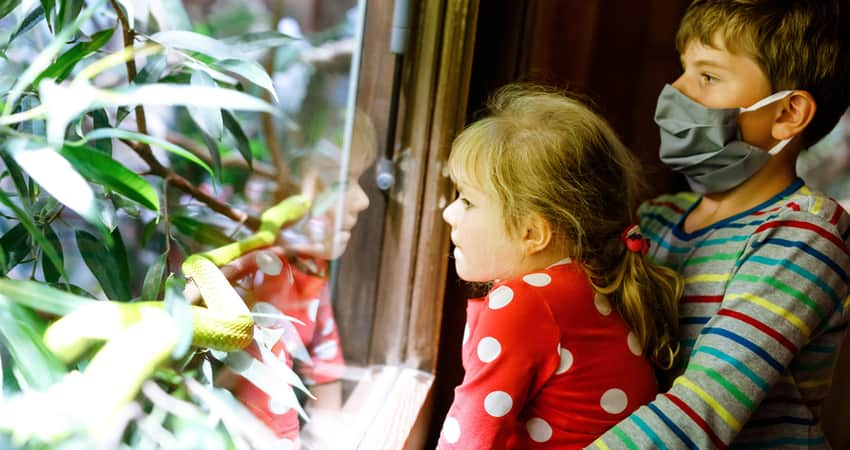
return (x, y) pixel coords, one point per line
(536, 234)
(797, 112)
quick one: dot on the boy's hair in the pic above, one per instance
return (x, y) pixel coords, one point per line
(799, 44)
(542, 152)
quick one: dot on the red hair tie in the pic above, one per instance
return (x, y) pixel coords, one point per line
(634, 240)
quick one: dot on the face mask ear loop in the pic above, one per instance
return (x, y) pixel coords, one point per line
(766, 101)
(778, 147)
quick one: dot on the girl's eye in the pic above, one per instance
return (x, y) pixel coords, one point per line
(465, 203)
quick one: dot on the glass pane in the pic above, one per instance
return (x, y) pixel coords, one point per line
(128, 158)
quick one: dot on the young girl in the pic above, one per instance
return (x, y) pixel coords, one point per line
(301, 289)
(564, 344)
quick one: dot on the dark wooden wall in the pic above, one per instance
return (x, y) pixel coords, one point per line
(619, 53)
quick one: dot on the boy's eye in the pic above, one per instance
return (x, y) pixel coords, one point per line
(707, 78)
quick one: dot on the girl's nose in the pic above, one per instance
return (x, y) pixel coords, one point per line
(450, 213)
(358, 199)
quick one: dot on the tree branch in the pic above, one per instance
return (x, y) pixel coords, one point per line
(276, 150)
(156, 168)
(259, 168)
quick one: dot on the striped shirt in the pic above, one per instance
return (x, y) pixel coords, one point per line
(763, 312)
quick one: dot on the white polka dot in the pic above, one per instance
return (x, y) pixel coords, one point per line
(326, 350)
(500, 297)
(539, 430)
(614, 401)
(451, 430)
(465, 333)
(489, 349)
(566, 361)
(268, 262)
(634, 344)
(498, 403)
(313, 309)
(328, 328)
(537, 279)
(602, 304)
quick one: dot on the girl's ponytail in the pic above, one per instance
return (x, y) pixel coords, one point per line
(646, 296)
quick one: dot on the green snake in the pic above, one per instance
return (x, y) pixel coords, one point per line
(140, 336)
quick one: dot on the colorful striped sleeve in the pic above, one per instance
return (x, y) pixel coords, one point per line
(787, 288)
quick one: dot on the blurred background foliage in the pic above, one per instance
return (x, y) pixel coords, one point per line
(132, 134)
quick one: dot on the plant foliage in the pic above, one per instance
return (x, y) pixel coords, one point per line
(118, 132)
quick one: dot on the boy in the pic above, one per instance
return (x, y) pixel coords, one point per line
(765, 260)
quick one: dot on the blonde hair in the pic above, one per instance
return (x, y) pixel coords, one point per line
(542, 152)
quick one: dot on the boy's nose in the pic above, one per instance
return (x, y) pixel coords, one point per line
(681, 85)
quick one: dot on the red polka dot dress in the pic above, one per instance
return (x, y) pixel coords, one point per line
(548, 365)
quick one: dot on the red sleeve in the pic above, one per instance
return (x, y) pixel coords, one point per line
(510, 350)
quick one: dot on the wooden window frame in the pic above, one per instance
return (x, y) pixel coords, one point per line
(401, 305)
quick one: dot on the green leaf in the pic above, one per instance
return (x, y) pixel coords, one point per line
(116, 247)
(18, 179)
(16, 246)
(242, 142)
(102, 265)
(195, 42)
(56, 175)
(52, 273)
(7, 6)
(46, 56)
(215, 155)
(41, 297)
(251, 71)
(2, 259)
(68, 10)
(35, 126)
(237, 47)
(172, 16)
(153, 70)
(21, 331)
(10, 384)
(101, 169)
(208, 119)
(34, 232)
(153, 278)
(104, 133)
(200, 232)
(47, 6)
(147, 231)
(32, 19)
(180, 95)
(180, 310)
(251, 42)
(101, 120)
(63, 66)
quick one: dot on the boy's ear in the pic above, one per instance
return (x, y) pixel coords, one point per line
(536, 234)
(796, 114)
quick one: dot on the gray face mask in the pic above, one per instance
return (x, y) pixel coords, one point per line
(705, 144)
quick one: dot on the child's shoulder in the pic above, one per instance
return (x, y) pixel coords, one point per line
(810, 206)
(669, 205)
